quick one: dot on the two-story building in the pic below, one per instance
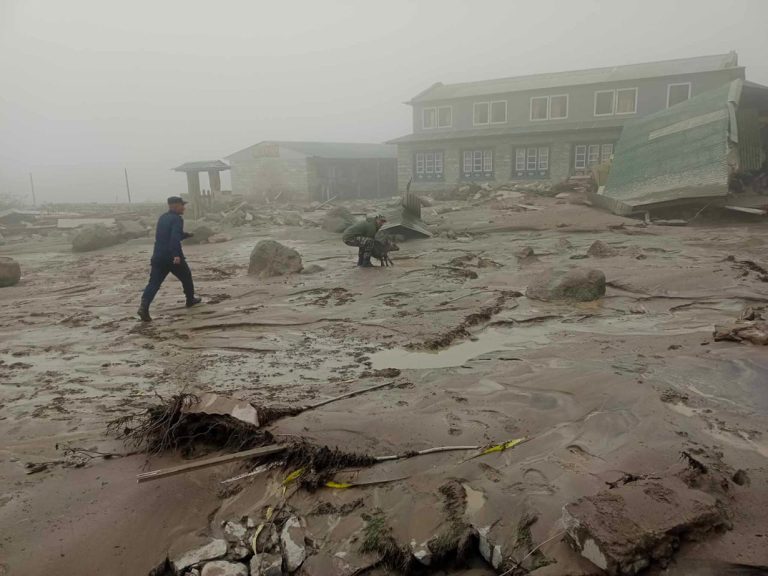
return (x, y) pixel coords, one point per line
(543, 126)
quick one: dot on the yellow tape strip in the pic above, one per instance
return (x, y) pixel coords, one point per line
(340, 485)
(504, 446)
(292, 476)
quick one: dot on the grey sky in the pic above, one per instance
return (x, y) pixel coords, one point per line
(89, 87)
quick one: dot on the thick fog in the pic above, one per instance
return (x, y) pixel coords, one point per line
(88, 88)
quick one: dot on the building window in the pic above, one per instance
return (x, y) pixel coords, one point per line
(604, 103)
(677, 93)
(480, 113)
(626, 101)
(531, 162)
(477, 164)
(444, 116)
(429, 165)
(539, 108)
(499, 112)
(429, 118)
(558, 107)
(587, 155)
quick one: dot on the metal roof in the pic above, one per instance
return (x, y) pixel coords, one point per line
(663, 68)
(680, 153)
(349, 150)
(203, 166)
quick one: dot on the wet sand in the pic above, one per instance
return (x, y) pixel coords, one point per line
(602, 389)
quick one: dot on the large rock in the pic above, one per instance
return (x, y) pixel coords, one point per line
(95, 237)
(130, 229)
(10, 272)
(626, 529)
(224, 568)
(270, 258)
(216, 548)
(200, 232)
(600, 249)
(580, 284)
(338, 219)
(292, 544)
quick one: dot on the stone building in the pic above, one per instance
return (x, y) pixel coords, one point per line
(543, 127)
(314, 170)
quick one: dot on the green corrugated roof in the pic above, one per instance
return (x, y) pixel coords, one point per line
(678, 153)
(659, 69)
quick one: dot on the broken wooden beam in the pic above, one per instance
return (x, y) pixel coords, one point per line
(208, 462)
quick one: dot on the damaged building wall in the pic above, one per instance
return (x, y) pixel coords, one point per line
(259, 176)
(348, 178)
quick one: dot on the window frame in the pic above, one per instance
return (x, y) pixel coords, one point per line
(450, 117)
(527, 161)
(474, 116)
(423, 117)
(483, 156)
(613, 103)
(420, 158)
(490, 112)
(567, 106)
(582, 148)
(530, 108)
(669, 91)
(616, 102)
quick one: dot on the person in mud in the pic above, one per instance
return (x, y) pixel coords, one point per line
(361, 235)
(168, 258)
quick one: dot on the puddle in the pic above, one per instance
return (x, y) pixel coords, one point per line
(475, 500)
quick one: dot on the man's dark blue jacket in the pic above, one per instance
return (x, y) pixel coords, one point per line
(168, 237)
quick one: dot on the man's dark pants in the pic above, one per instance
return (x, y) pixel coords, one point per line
(161, 269)
(364, 245)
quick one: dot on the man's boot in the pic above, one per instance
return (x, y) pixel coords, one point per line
(359, 259)
(192, 301)
(144, 312)
(366, 262)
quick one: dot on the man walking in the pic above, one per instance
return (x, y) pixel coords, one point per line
(167, 257)
(361, 235)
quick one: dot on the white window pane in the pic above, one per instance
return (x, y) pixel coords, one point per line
(532, 159)
(481, 112)
(498, 112)
(438, 162)
(520, 159)
(429, 163)
(604, 103)
(428, 116)
(477, 161)
(543, 158)
(488, 161)
(606, 152)
(467, 161)
(558, 107)
(626, 101)
(539, 108)
(679, 93)
(580, 161)
(594, 154)
(419, 163)
(444, 117)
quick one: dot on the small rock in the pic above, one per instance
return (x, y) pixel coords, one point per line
(268, 540)
(600, 249)
(239, 552)
(741, 478)
(214, 549)
(564, 244)
(224, 568)
(490, 552)
(10, 272)
(292, 544)
(312, 269)
(94, 237)
(218, 238)
(580, 284)
(234, 531)
(270, 258)
(421, 552)
(267, 565)
(291, 218)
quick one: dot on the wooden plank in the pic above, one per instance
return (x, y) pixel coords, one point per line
(208, 462)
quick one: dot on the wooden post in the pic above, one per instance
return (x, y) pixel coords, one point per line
(127, 186)
(32, 185)
(193, 188)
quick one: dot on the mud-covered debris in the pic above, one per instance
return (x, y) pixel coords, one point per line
(755, 332)
(579, 284)
(600, 249)
(224, 568)
(313, 466)
(378, 539)
(223, 405)
(216, 548)
(382, 373)
(270, 258)
(627, 529)
(292, 544)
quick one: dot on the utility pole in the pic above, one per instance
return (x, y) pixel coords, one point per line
(32, 186)
(127, 186)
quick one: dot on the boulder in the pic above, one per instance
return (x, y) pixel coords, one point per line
(130, 229)
(312, 269)
(10, 272)
(266, 565)
(218, 238)
(292, 544)
(224, 568)
(216, 548)
(94, 237)
(600, 249)
(270, 258)
(580, 284)
(338, 219)
(200, 232)
(291, 218)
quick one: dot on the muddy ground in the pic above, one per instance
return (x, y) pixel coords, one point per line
(604, 391)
